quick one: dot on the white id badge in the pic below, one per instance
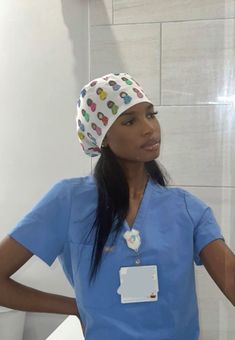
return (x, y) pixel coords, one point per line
(138, 284)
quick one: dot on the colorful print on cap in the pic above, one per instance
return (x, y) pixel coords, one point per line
(100, 103)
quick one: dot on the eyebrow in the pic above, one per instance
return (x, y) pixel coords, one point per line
(133, 112)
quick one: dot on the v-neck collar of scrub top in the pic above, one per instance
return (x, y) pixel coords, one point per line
(139, 218)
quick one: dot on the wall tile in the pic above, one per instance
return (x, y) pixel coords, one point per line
(134, 49)
(216, 320)
(214, 307)
(100, 12)
(198, 144)
(136, 11)
(198, 62)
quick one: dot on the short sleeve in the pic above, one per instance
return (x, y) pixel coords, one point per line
(206, 228)
(43, 230)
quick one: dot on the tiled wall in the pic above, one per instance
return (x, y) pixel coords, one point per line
(183, 54)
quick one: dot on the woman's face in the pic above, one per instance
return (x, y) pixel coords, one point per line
(133, 128)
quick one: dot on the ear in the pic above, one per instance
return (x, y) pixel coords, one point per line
(104, 142)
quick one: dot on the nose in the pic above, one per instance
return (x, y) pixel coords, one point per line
(149, 126)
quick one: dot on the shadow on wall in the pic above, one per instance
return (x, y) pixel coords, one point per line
(77, 24)
(81, 41)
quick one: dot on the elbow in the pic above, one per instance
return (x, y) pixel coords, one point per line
(233, 300)
(233, 293)
(230, 282)
(3, 289)
(233, 297)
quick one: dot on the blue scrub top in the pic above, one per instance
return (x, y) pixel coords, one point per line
(174, 226)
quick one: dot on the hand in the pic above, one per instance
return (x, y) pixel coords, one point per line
(83, 328)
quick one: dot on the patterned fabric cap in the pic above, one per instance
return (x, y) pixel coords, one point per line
(100, 103)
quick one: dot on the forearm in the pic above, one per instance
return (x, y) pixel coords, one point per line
(17, 296)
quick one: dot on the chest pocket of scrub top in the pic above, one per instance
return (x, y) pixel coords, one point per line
(102, 292)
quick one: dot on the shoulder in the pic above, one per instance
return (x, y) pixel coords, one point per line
(181, 200)
(67, 188)
(195, 207)
(188, 197)
(169, 193)
(75, 183)
(192, 202)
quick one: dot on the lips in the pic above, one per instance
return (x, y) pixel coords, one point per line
(151, 142)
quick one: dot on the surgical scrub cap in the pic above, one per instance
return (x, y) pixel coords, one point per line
(100, 103)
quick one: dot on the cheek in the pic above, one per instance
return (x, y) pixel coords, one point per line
(159, 126)
(121, 144)
(128, 149)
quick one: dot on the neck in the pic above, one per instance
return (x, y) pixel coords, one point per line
(137, 178)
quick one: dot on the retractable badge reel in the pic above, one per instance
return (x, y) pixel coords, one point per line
(137, 283)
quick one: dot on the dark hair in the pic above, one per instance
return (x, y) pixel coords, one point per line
(113, 200)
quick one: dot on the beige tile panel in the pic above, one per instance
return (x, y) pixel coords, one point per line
(215, 311)
(134, 49)
(216, 319)
(217, 335)
(101, 12)
(136, 11)
(198, 144)
(198, 62)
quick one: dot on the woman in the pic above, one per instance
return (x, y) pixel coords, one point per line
(127, 242)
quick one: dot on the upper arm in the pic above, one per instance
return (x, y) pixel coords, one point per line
(219, 261)
(12, 257)
(44, 229)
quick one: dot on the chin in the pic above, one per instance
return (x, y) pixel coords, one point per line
(148, 158)
(140, 157)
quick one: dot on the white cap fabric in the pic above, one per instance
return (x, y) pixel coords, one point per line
(100, 103)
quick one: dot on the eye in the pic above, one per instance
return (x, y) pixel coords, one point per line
(153, 113)
(129, 122)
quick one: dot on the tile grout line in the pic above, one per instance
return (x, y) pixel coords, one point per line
(112, 14)
(89, 41)
(89, 56)
(193, 105)
(160, 67)
(201, 186)
(164, 22)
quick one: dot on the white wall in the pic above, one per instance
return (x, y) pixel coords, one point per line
(43, 65)
(183, 54)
